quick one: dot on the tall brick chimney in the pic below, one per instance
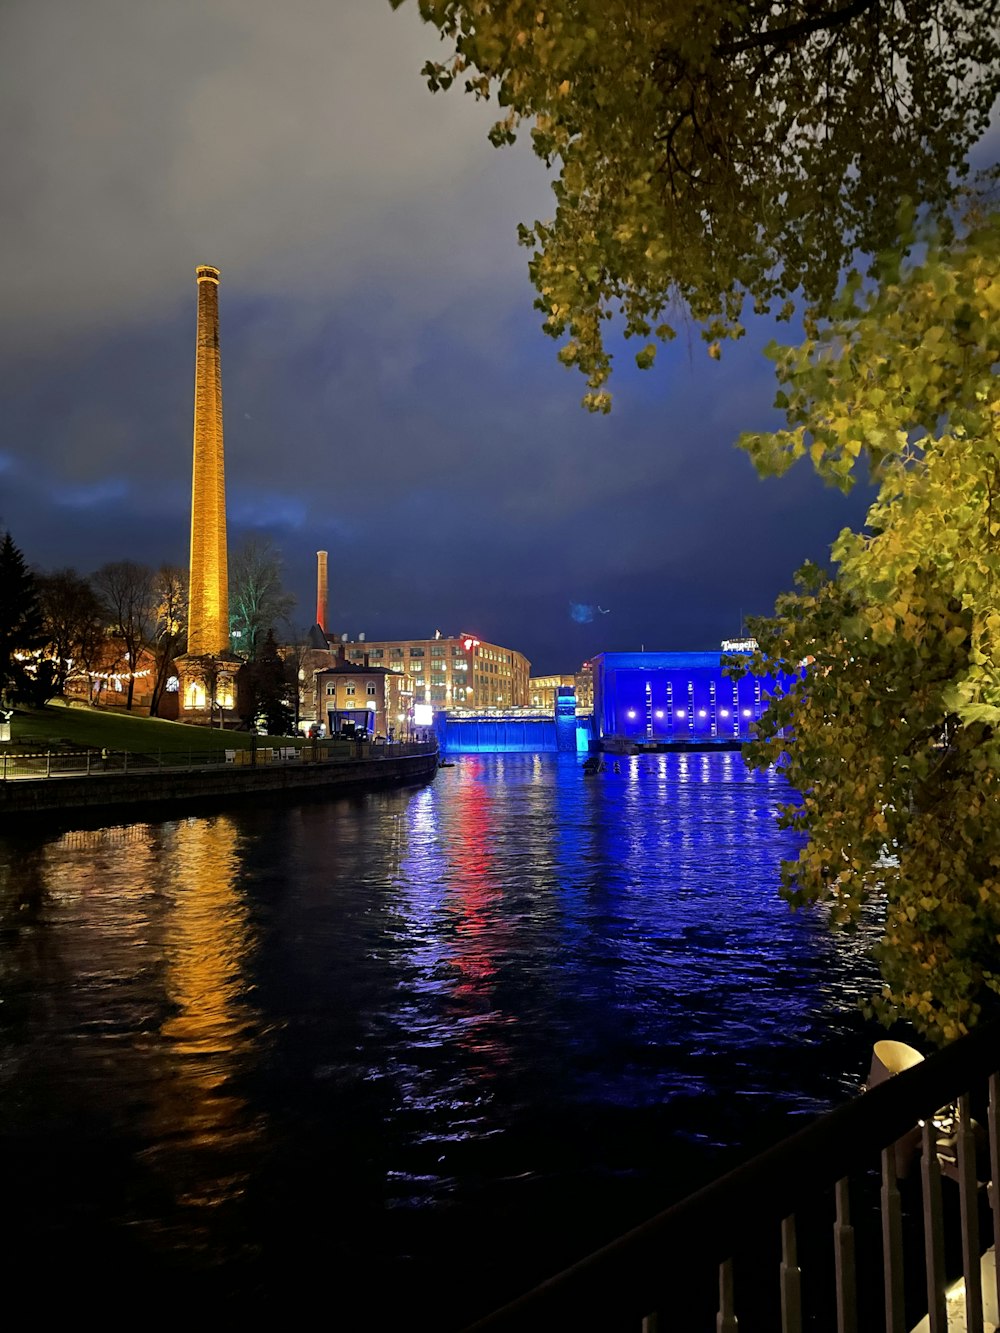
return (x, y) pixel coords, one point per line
(208, 584)
(321, 590)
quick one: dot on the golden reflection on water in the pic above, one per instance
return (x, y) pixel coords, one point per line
(142, 934)
(208, 1038)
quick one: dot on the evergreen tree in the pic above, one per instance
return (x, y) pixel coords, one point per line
(22, 630)
(264, 691)
(273, 705)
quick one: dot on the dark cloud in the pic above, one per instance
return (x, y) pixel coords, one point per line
(389, 396)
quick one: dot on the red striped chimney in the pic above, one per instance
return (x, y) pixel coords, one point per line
(321, 590)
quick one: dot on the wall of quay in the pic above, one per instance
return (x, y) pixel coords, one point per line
(128, 794)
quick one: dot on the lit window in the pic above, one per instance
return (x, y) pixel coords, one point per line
(702, 713)
(659, 712)
(681, 712)
(350, 687)
(723, 712)
(371, 689)
(746, 712)
(631, 712)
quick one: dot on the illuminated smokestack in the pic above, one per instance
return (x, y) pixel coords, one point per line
(321, 590)
(208, 585)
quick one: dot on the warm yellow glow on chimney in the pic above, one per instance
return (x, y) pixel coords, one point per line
(208, 596)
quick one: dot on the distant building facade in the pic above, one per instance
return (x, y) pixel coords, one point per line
(675, 699)
(460, 671)
(366, 698)
(542, 690)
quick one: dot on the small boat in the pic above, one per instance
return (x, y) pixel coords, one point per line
(446, 763)
(595, 764)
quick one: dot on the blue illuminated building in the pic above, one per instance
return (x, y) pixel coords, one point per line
(672, 700)
(642, 701)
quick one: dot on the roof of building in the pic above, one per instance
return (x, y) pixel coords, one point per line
(355, 669)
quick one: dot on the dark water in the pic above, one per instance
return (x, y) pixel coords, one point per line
(413, 1049)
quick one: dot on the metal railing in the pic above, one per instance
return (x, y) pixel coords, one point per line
(84, 763)
(917, 1227)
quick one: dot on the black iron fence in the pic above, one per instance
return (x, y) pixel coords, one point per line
(77, 763)
(862, 1221)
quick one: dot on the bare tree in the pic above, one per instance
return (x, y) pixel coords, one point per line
(257, 601)
(74, 622)
(126, 593)
(296, 654)
(170, 590)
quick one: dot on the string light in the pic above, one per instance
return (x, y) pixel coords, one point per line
(118, 675)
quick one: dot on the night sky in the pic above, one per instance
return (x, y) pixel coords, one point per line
(389, 395)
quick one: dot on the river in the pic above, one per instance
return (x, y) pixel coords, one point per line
(408, 1051)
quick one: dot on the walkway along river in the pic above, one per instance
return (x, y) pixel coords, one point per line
(89, 784)
(415, 1048)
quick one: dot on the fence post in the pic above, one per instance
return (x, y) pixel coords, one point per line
(846, 1272)
(125, 764)
(994, 1139)
(930, 1170)
(725, 1320)
(791, 1279)
(88, 763)
(892, 1242)
(48, 763)
(969, 1208)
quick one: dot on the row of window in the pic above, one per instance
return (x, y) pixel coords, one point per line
(417, 667)
(358, 654)
(436, 650)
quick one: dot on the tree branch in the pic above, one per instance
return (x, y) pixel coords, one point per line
(794, 32)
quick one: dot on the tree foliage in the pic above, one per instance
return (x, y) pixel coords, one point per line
(264, 690)
(895, 745)
(709, 153)
(257, 600)
(22, 633)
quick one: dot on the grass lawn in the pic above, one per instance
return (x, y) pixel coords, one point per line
(59, 724)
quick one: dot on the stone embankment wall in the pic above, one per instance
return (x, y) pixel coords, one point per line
(126, 793)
